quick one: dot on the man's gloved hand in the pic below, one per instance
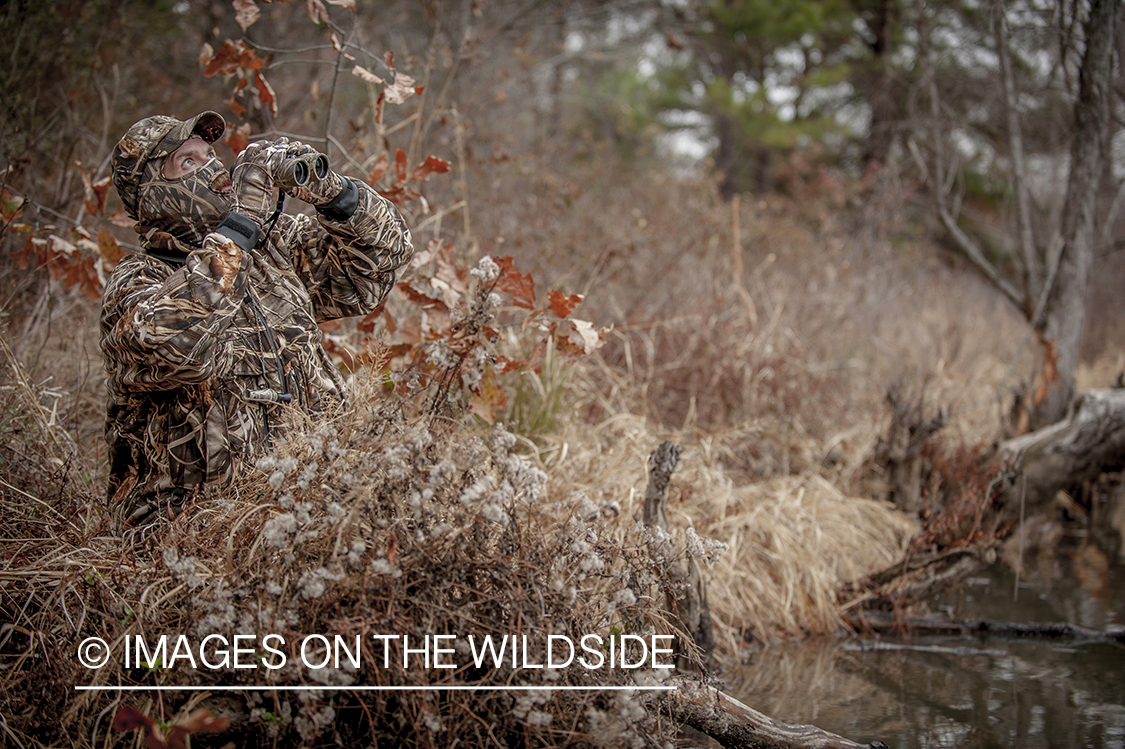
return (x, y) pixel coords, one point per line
(253, 178)
(252, 187)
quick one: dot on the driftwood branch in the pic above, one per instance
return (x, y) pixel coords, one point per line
(736, 726)
(920, 576)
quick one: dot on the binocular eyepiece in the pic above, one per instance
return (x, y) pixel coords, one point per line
(298, 170)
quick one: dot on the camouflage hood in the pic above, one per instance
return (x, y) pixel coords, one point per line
(186, 207)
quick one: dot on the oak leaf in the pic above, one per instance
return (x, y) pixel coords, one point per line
(562, 305)
(232, 56)
(432, 165)
(521, 286)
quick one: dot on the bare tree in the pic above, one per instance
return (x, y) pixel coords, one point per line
(1052, 259)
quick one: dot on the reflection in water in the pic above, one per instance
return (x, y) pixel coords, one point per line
(929, 692)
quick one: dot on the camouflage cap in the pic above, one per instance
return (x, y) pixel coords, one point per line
(154, 138)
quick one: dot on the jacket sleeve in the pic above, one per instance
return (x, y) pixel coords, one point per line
(162, 329)
(350, 266)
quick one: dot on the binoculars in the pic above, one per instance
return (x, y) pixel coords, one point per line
(298, 170)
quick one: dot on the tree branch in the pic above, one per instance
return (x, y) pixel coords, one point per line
(976, 256)
(1031, 270)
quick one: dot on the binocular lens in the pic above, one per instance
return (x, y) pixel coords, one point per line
(296, 171)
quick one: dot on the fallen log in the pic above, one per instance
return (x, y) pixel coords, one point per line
(736, 726)
(884, 622)
(1088, 442)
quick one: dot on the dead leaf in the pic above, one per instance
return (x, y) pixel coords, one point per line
(382, 166)
(584, 336)
(246, 13)
(562, 305)
(401, 89)
(265, 93)
(339, 45)
(120, 218)
(432, 165)
(317, 12)
(109, 248)
(521, 286)
(348, 4)
(206, 53)
(239, 138)
(233, 55)
(400, 165)
(361, 72)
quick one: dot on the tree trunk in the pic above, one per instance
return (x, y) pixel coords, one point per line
(1065, 312)
(882, 99)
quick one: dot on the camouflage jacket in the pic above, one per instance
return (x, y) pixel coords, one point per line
(183, 345)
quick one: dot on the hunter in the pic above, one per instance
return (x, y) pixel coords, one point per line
(215, 324)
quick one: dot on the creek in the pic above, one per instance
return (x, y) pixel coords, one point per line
(939, 692)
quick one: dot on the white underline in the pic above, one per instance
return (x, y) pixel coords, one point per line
(364, 688)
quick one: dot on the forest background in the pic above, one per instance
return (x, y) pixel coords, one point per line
(773, 214)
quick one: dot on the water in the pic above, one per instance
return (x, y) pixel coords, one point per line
(931, 692)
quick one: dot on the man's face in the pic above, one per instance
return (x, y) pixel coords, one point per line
(194, 153)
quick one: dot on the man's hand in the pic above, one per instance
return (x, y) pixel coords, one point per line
(224, 261)
(253, 178)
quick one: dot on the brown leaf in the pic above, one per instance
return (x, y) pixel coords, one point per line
(520, 285)
(237, 108)
(348, 4)
(382, 166)
(109, 248)
(363, 73)
(400, 165)
(239, 138)
(339, 45)
(432, 165)
(128, 718)
(426, 302)
(561, 304)
(583, 337)
(401, 89)
(246, 13)
(233, 55)
(95, 191)
(265, 93)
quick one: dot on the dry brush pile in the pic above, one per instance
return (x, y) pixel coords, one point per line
(371, 523)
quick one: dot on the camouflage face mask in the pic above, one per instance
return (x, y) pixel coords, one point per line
(187, 207)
